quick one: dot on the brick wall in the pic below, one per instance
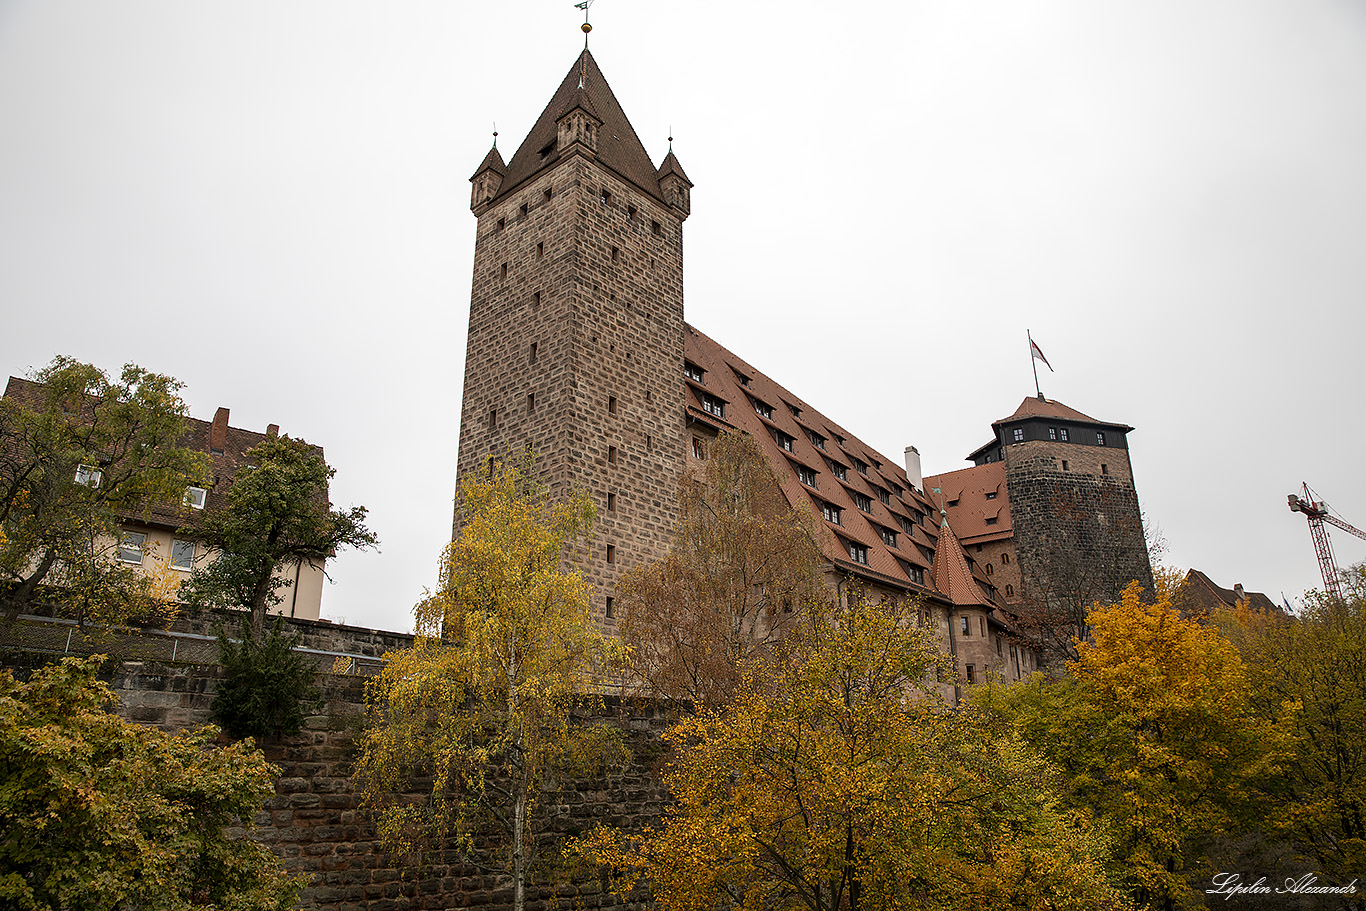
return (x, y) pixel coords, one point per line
(607, 377)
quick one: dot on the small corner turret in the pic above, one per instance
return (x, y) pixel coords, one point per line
(487, 180)
(675, 185)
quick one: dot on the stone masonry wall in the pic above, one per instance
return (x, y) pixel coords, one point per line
(314, 823)
(1078, 531)
(587, 278)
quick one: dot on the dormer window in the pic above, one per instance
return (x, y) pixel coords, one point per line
(806, 476)
(88, 476)
(195, 497)
(863, 502)
(831, 513)
(885, 496)
(545, 153)
(763, 410)
(858, 553)
(816, 439)
(991, 494)
(692, 372)
(783, 440)
(838, 471)
(712, 405)
(861, 466)
(888, 537)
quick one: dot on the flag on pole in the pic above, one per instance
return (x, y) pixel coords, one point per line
(1037, 352)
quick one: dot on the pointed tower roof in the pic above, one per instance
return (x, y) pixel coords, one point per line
(1035, 407)
(671, 166)
(493, 161)
(952, 576)
(619, 148)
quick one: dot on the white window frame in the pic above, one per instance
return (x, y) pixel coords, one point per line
(196, 497)
(831, 513)
(1017, 435)
(806, 475)
(88, 476)
(858, 553)
(177, 551)
(132, 542)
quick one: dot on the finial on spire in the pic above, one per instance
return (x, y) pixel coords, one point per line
(586, 27)
(671, 138)
(495, 134)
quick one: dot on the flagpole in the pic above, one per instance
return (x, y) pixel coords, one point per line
(1033, 362)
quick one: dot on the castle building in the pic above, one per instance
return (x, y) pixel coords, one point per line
(1050, 511)
(578, 351)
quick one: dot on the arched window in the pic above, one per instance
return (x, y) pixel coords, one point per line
(1010, 590)
(1005, 559)
(989, 569)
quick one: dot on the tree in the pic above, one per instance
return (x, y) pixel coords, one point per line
(481, 706)
(81, 452)
(1154, 730)
(277, 514)
(843, 782)
(98, 813)
(1308, 676)
(743, 566)
(266, 687)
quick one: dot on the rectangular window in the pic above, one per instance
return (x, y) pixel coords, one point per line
(611, 553)
(763, 410)
(1062, 434)
(1104, 469)
(540, 250)
(521, 211)
(611, 502)
(972, 674)
(863, 503)
(493, 419)
(858, 553)
(699, 449)
(783, 440)
(992, 520)
(692, 372)
(615, 254)
(532, 358)
(998, 645)
(548, 193)
(1019, 434)
(88, 476)
(816, 439)
(906, 525)
(888, 537)
(195, 497)
(838, 471)
(1100, 439)
(182, 555)
(631, 213)
(535, 298)
(611, 404)
(884, 495)
(831, 513)
(502, 223)
(963, 626)
(1052, 433)
(991, 494)
(917, 574)
(605, 198)
(806, 476)
(655, 228)
(861, 466)
(611, 608)
(982, 623)
(712, 405)
(1064, 464)
(131, 545)
(612, 455)
(531, 401)
(503, 270)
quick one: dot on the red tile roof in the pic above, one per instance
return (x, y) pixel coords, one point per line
(965, 495)
(952, 575)
(730, 378)
(1034, 407)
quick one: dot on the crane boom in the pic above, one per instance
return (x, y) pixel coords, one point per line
(1316, 511)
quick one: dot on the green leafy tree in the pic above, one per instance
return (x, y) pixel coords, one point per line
(267, 686)
(1155, 732)
(1308, 677)
(100, 814)
(842, 782)
(80, 453)
(277, 515)
(480, 707)
(743, 568)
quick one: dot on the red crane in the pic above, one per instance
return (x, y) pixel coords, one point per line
(1316, 511)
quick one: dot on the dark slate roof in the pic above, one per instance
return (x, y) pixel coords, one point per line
(619, 149)
(493, 161)
(671, 166)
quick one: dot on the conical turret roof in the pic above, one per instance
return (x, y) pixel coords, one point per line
(493, 161)
(671, 166)
(619, 149)
(952, 575)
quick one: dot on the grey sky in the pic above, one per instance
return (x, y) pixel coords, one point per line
(270, 202)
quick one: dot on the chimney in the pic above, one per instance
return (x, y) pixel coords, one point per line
(218, 432)
(913, 470)
(272, 430)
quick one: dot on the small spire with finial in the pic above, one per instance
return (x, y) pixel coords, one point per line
(586, 27)
(495, 134)
(671, 138)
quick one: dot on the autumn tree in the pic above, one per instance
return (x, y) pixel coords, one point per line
(1308, 676)
(743, 566)
(480, 707)
(843, 782)
(101, 814)
(277, 515)
(1155, 732)
(80, 453)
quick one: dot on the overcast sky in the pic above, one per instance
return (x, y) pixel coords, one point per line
(270, 201)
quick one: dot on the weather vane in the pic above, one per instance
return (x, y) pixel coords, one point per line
(587, 26)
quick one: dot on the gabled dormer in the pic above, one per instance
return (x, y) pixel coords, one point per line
(578, 125)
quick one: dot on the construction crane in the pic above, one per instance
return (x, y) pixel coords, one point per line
(1316, 511)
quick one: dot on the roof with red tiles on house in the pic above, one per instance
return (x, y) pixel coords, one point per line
(976, 500)
(1035, 407)
(820, 464)
(953, 574)
(1198, 596)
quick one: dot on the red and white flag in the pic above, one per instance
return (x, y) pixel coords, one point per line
(1037, 352)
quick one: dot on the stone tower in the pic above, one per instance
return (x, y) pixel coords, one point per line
(575, 345)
